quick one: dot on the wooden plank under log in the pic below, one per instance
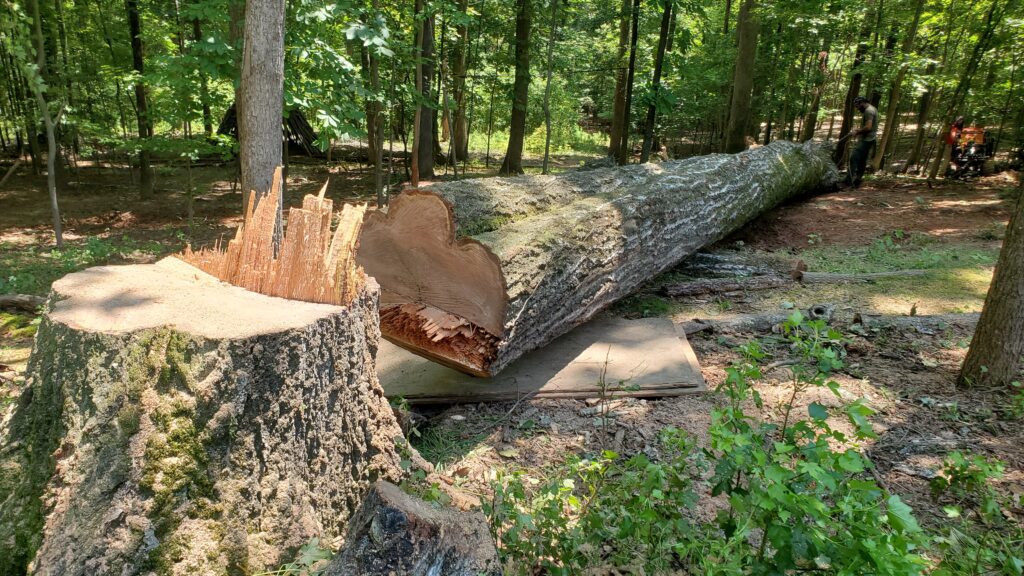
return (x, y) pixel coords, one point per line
(476, 273)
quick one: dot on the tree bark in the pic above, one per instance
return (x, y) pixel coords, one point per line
(627, 107)
(260, 99)
(924, 107)
(141, 108)
(659, 60)
(173, 420)
(856, 77)
(743, 79)
(547, 83)
(996, 355)
(460, 134)
(821, 75)
(426, 114)
(513, 162)
(892, 109)
(476, 273)
(619, 99)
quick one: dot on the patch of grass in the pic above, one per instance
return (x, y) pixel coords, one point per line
(17, 326)
(643, 306)
(31, 270)
(898, 251)
(441, 443)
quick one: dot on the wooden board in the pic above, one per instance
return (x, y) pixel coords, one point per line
(644, 358)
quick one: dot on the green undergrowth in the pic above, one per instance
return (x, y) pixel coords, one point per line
(32, 269)
(900, 251)
(16, 326)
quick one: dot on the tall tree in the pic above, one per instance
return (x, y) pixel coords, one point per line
(659, 60)
(460, 134)
(892, 108)
(820, 82)
(260, 98)
(856, 78)
(50, 120)
(623, 154)
(427, 113)
(141, 104)
(513, 162)
(993, 18)
(743, 79)
(996, 355)
(549, 65)
(619, 99)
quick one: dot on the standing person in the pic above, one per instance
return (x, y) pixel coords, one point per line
(866, 135)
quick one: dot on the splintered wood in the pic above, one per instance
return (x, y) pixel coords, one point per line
(441, 336)
(311, 265)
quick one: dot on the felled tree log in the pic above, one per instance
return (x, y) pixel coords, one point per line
(26, 302)
(175, 424)
(476, 273)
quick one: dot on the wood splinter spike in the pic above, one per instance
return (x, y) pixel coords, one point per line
(475, 273)
(312, 264)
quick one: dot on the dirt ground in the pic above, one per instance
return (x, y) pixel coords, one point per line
(952, 229)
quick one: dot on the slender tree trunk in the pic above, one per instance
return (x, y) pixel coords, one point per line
(426, 118)
(513, 163)
(204, 85)
(460, 135)
(659, 59)
(547, 83)
(260, 100)
(992, 20)
(996, 355)
(856, 77)
(924, 106)
(892, 109)
(743, 79)
(376, 126)
(141, 108)
(619, 100)
(50, 121)
(728, 13)
(623, 157)
(418, 96)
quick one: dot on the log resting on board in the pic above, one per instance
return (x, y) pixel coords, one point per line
(478, 272)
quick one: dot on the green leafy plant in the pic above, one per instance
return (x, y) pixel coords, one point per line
(984, 538)
(310, 560)
(799, 494)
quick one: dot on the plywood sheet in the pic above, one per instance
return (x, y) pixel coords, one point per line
(643, 358)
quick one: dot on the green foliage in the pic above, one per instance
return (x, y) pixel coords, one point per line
(31, 271)
(605, 511)
(797, 496)
(984, 538)
(310, 560)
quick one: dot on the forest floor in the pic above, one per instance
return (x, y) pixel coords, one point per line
(952, 230)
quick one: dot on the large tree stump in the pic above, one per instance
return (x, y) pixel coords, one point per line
(175, 424)
(476, 273)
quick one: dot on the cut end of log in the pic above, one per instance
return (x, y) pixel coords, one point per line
(311, 264)
(445, 299)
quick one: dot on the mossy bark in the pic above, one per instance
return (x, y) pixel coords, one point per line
(157, 451)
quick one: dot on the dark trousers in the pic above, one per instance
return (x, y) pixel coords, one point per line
(859, 161)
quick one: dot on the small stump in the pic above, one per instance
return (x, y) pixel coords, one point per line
(175, 424)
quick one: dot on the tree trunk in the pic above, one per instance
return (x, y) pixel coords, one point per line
(426, 115)
(376, 127)
(924, 107)
(141, 109)
(659, 59)
(624, 151)
(743, 79)
(460, 135)
(856, 77)
(992, 20)
(619, 99)
(173, 420)
(893, 107)
(547, 84)
(996, 355)
(260, 99)
(537, 256)
(204, 88)
(513, 162)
